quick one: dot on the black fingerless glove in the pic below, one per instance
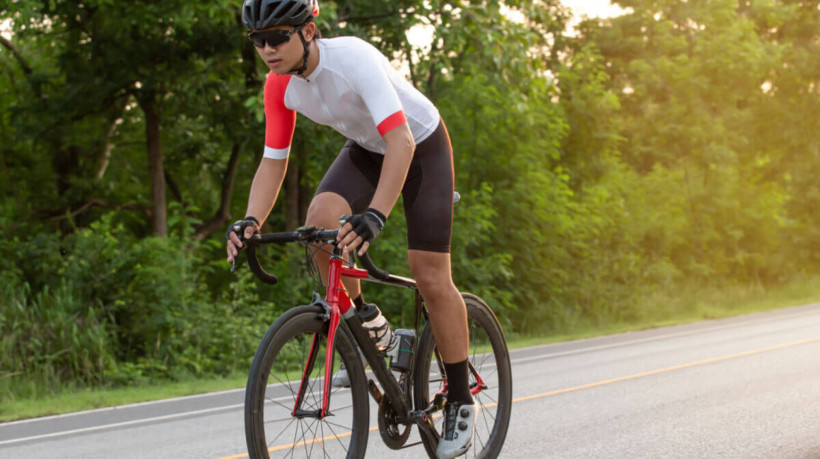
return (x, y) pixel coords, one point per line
(239, 226)
(368, 225)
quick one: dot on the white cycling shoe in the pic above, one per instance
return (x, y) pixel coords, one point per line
(457, 435)
(341, 378)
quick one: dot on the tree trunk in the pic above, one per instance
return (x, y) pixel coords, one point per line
(105, 155)
(292, 220)
(66, 162)
(156, 170)
(222, 216)
(305, 196)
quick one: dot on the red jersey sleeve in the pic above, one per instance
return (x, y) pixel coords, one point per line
(280, 121)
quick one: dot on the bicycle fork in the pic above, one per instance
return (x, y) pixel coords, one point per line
(339, 305)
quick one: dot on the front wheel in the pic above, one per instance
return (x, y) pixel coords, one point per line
(489, 364)
(284, 395)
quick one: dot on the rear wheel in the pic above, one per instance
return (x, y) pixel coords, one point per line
(490, 364)
(273, 425)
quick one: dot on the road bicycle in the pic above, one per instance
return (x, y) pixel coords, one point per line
(291, 407)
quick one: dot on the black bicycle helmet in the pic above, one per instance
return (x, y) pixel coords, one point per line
(262, 14)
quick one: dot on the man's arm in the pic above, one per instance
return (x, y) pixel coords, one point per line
(264, 190)
(397, 158)
(265, 187)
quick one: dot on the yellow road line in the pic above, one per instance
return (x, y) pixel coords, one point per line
(585, 386)
(665, 370)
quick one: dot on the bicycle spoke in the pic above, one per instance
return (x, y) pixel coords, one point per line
(479, 442)
(272, 421)
(302, 438)
(484, 416)
(305, 441)
(295, 436)
(322, 433)
(324, 450)
(312, 385)
(336, 436)
(335, 410)
(281, 432)
(486, 377)
(486, 355)
(483, 394)
(282, 405)
(337, 425)
(286, 385)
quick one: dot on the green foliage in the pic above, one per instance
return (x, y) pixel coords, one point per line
(109, 308)
(51, 335)
(673, 146)
(698, 117)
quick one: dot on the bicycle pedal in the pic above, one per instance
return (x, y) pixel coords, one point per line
(374, 391)
(438, 402)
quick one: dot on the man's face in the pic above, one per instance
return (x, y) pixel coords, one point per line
(281, 48)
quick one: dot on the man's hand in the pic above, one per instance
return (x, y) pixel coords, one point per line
(238, 232)
(360, 230)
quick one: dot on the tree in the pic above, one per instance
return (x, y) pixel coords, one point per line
(110, 54)
(690, 78)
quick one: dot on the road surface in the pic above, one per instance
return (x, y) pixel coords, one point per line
(742, 387)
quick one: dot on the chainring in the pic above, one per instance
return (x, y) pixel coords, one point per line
(394, 435)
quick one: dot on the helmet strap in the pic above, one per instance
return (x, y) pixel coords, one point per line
(301, 70)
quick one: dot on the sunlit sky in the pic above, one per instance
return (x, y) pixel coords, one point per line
(4, 28)
(593, 8)
(421, 35)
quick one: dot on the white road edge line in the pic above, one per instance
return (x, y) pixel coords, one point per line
(119, 424)
(229, 407)
(134, 422)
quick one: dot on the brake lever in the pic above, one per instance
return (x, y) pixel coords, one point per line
(236, 229)
(342, 220)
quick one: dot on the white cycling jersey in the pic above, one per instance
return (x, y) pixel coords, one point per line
(354, 90)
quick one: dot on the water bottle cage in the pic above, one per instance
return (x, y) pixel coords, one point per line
(378, 333)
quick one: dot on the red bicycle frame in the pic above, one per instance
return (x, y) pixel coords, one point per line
(340, 304)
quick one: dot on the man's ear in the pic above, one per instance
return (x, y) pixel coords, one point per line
(309, 31)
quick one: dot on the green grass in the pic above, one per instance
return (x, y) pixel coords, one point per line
(659, 309)
(689, 304)
(74, 399)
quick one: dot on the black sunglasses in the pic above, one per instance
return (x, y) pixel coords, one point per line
(274, 37)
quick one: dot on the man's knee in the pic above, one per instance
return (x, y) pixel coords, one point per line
(434, 281)
(325, 209)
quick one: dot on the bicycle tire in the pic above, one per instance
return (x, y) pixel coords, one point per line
(270, 426)
(490, 357)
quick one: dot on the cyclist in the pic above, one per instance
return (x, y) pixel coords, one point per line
(396, 143)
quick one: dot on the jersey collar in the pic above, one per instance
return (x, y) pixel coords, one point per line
(321, 48)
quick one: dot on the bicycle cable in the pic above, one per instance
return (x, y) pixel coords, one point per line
(313, 269)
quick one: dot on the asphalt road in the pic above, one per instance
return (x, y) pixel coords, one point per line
(746, 387)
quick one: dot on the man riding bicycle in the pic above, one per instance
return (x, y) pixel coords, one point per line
(397, 143)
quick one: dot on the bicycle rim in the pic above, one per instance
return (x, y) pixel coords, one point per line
(489, 357)
(276, 379)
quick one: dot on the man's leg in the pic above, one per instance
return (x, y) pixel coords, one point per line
(448, 317)
(448, 314)
(324, 212)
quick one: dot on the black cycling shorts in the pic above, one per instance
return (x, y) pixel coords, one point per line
(427, 191)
